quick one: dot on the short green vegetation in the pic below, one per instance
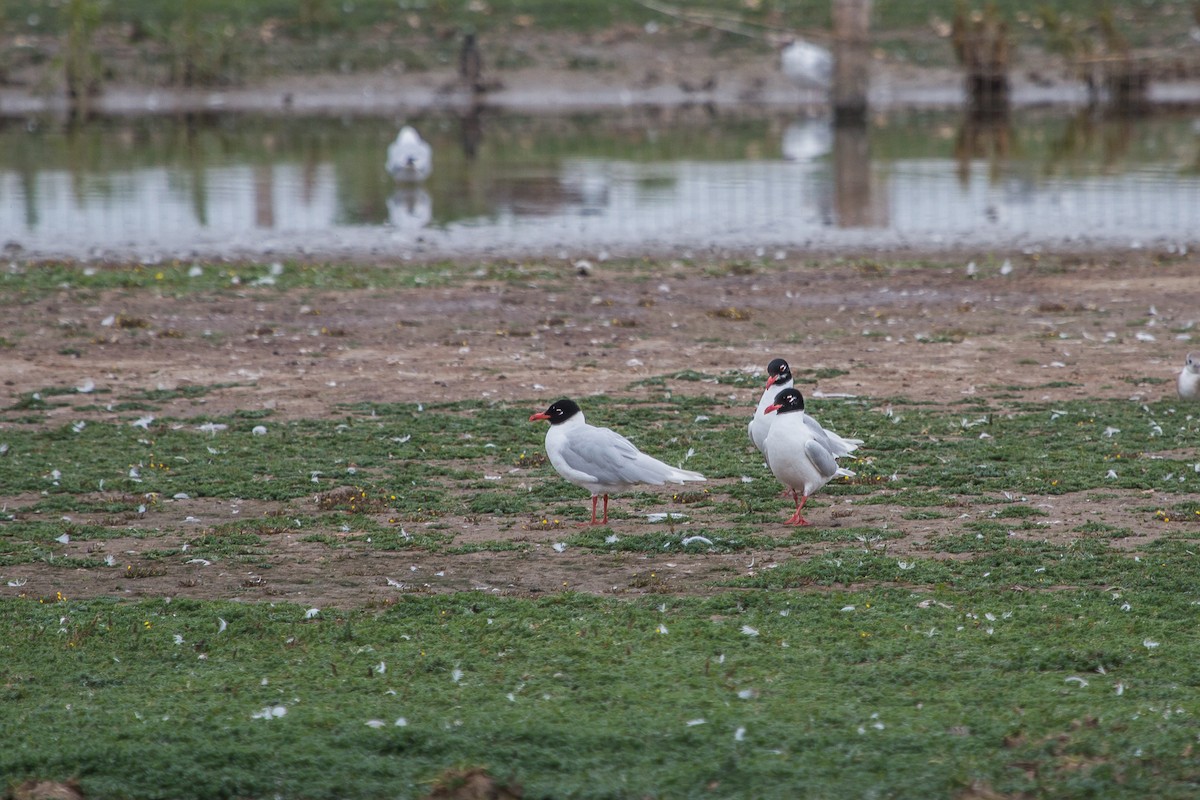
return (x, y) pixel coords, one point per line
(980, 642)
(926, 689)
(1019, 664)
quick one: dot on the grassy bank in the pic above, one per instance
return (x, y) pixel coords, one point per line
(215, 42)
(1019, 622)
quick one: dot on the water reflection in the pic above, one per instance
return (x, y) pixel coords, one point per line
(860, 203)
(410, 209)
(643, 178)
(807, 139)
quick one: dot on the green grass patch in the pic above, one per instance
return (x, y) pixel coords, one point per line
(937, 669)
(934, 692)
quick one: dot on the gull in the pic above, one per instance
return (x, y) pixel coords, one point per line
(796, 455)
(807, 64)
(599, 459)
(409, 157)
(779, 377)
(1188, 383)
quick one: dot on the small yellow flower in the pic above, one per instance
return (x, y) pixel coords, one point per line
(146, 624)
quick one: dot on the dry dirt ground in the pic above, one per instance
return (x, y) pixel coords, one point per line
(937, 334)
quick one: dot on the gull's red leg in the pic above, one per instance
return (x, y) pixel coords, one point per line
(796, 519)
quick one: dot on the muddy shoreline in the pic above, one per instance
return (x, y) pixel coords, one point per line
(944, 335)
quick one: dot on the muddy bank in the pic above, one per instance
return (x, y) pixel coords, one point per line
(1050, 332)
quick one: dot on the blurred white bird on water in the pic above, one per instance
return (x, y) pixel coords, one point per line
(807, 65)
(409, 157)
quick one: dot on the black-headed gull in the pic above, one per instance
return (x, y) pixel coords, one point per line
(796, 455)
(409, 157)
(598, 459)
(1188, 383)
(779, 377)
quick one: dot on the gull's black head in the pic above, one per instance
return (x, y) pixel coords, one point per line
(778, 371)
(787, 401)
(559, 411)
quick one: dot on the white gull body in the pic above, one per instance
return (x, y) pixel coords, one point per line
(779, 377)
(1188, 382)
(599, 459)
(807, 64)
(409, 157)
(796, 455)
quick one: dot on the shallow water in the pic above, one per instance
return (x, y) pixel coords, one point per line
(585, 185)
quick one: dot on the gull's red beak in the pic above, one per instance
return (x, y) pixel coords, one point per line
(771, 381)
(538, 415)
(769, 409)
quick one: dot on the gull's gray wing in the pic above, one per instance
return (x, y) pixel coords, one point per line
(821, 458)
(610, 458)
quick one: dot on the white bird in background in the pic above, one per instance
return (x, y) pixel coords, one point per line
(779, 377)
(409, 157)
(1188, 383)
(806, 64)
(795, 453)
(598, 459)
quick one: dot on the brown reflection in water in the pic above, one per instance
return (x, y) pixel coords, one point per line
(470, 128)
(857, 201)
(534, 195)
(264, 186)
(264, 196)
(986, 136)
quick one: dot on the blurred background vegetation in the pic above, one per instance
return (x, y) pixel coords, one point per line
(230, 42)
